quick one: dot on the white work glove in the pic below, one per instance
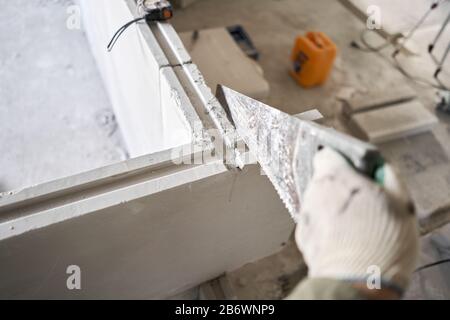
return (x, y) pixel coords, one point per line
(350, 228)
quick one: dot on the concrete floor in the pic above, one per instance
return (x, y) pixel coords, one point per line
(55, 117)
(424, 159)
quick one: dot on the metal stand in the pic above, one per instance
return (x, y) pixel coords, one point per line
(440, 63)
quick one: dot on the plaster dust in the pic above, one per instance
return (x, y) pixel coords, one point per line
(55, 117)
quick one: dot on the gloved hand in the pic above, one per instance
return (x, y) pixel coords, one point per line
(351, 228)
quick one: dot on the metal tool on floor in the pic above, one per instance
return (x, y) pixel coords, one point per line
(150, 11)
(242, 38)
(285, 146)
(441, 61)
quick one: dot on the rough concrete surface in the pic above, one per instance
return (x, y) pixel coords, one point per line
(393, 122)
(432, 282)
(55, 117)
(273, 26)
(271, 278)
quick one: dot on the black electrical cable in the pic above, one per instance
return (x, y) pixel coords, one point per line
(122, 30)
(439, 86)
(367, 47)
(395, 40)
(432, 265)
(411, 32)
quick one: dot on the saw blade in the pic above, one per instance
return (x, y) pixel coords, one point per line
(271, 136)
(285, 146)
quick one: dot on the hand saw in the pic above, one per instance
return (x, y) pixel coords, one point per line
(285, 146)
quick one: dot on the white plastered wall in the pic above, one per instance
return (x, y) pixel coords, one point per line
(133, 73)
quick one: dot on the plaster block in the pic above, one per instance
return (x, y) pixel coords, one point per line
(162, 236)
(221, 61)
(377, 99)
(394, 122)
(132, 77)
(176, 108)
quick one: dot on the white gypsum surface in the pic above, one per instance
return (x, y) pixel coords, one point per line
(55, 116)
(136, 74)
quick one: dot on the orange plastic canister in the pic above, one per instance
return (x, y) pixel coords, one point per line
(313, 58)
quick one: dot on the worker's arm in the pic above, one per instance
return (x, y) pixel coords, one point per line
(359, 239)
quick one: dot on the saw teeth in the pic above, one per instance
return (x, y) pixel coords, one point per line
(282, 195)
